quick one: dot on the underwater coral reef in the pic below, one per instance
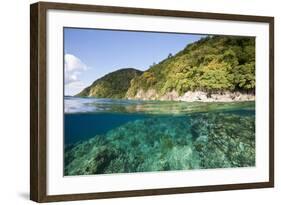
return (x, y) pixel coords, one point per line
(163, 143)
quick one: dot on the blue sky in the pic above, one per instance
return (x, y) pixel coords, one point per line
(92, 53)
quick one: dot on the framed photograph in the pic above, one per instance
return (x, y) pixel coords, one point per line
(134, 102)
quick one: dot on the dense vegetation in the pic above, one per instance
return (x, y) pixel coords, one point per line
(212, 64)
(112, 85)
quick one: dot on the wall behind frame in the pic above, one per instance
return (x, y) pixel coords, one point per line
(14, 104)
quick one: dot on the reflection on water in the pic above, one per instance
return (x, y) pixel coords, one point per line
(105, 136)
(96, 105)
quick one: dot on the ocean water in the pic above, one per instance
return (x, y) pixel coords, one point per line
(103, 136)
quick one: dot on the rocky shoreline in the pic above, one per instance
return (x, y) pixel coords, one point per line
(194, 96)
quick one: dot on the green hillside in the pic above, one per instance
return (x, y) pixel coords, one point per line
(212, 64)
(112, 85)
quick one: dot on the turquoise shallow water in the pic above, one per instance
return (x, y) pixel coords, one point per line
(121, 136)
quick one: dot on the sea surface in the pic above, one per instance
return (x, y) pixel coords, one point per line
(103, 136)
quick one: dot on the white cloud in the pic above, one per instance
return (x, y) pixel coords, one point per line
(74, 88)
(73, 67)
